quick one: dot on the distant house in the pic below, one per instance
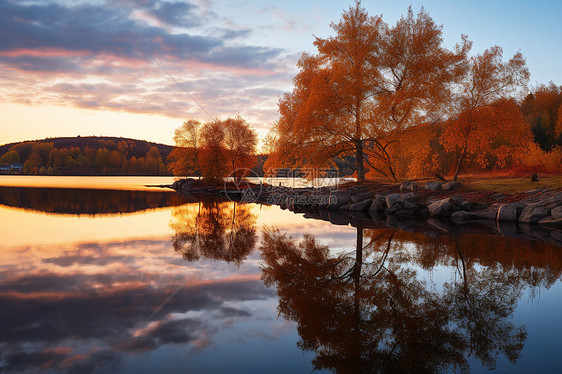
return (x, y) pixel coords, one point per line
(16, 168)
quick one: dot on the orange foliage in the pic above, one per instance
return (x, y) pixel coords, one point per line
(488, 79)
(210, 148)
(366, 85)
(184, 158)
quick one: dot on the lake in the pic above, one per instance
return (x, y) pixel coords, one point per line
(132, 279)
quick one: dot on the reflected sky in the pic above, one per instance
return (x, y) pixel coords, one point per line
(128, 183)
(196, 288)
(77, 306)
(83, 292)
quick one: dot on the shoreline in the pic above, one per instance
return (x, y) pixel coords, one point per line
(448, 208)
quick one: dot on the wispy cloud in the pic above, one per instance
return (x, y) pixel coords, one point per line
(108, 56)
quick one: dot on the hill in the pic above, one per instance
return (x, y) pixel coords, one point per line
(90, 155)
(141, 147)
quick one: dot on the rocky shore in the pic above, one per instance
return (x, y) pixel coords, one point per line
(446, 207)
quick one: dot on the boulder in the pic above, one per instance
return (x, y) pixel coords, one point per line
(445, 207)
(408, 196)
(534, 212)
(535, 177)
(397, 198)
(396, 207)
(440, 208)
(408, 204)
(187, 185)
(556, 212)
(378, 203)
(360, 197)
(361, 206)
(338, 198)
(461, 216)
(433, 186)
(489, 214)
(510, 212)
(177, 184)
(344, 207)
(392, 199)
(408, 186)
(467, 205)
(457, 201)
(453, 185)
(322, 199)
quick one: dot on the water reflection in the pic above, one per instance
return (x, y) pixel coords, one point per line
(376, 309)
(87, 201)
(398, 302)
(93, 305)
(214, 229)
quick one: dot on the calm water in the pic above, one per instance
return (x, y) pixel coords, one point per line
(144, 282)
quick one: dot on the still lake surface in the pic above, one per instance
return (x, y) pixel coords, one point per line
(129, 279)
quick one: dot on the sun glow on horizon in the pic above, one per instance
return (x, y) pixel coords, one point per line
(32, 122)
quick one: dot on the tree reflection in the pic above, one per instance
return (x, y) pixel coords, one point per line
(216, 230)
(87, 201)
(371, 310)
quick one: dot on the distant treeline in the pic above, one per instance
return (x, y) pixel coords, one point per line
(88, 156)
(96, 156)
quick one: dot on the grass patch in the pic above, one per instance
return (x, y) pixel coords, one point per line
(511, 185)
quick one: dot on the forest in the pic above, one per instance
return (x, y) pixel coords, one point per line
(87, 156)
(396, 103)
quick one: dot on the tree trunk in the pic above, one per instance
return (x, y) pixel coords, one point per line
(359, 161)
(392, 171)
(459, 164)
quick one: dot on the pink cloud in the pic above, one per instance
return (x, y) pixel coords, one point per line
(45, 52)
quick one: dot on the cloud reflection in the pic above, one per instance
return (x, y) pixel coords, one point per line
(91, 305)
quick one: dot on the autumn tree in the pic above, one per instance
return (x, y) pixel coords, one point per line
(114, 159)
(102, 158)
(488, 79)
(213, 160)
(418, 76)
(10, 157)
(363, 88)
(184, 158)
(153, 161)
(240, 142)
(542, 111)
(213, 148)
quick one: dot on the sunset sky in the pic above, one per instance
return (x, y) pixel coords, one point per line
(138, 68)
